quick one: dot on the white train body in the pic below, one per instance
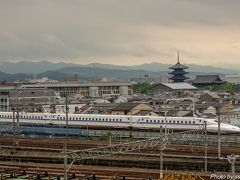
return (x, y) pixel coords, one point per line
(121, 121)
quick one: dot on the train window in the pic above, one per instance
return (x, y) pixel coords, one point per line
(158, 121)
(147, 121)
(63, 118)
(73, 118)
(154, 121)
(181, 121)
(106, 119)
(100, 119)
(190, 122)
(41, 117)
(110, 119)
(120, 119)
(82, 118)
(60, 117)
(174, 122)
(177, 121)
(200, 120)
(116, 119)
(185, 122)
(193, 122)
(170, 121)
(150, 121)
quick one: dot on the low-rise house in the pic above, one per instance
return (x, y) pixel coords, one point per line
(209, 97)
(130, 108)
(206, 108)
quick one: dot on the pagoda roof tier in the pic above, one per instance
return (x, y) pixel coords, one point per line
(178, 73)
(178, 66)
(178, 78)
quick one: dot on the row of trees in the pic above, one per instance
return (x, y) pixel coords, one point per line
(227, 87)
(144, 88)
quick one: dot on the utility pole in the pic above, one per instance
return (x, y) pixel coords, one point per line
(165, 115)
(66, 109)
(65, 163)
(205, 139)
(14, 123)
(17, 117)
(219, 133)
(161, 156)
(232, 160)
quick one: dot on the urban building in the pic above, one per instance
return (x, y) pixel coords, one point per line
(87, 89)
(172, 87)
(4, 97)
(31, 100)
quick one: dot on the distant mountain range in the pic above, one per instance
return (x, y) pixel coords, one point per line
(27, 70)
(42, 66)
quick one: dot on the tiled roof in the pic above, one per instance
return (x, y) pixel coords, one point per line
(206, 79)
(179, 86)
(125, 106)
(178, 66)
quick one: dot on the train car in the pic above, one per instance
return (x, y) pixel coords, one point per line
(120, 121)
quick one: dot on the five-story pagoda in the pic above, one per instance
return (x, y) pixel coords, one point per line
(178, 73)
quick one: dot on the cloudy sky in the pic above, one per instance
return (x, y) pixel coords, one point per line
(121, 31)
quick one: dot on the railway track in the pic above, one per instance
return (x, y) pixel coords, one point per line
(26, 143)
(32, 152)
(80, 171)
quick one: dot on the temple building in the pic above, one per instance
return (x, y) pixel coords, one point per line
(178, 73)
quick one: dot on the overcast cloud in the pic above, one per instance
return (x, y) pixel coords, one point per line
(121, 31)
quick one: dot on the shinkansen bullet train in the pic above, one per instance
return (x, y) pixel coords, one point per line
(120, 121)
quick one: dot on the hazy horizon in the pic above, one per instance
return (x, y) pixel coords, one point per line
(121, 32)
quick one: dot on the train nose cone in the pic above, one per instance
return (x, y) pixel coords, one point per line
(238, 130)
(235, 129)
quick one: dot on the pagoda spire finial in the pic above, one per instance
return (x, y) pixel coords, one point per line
(178, 57)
